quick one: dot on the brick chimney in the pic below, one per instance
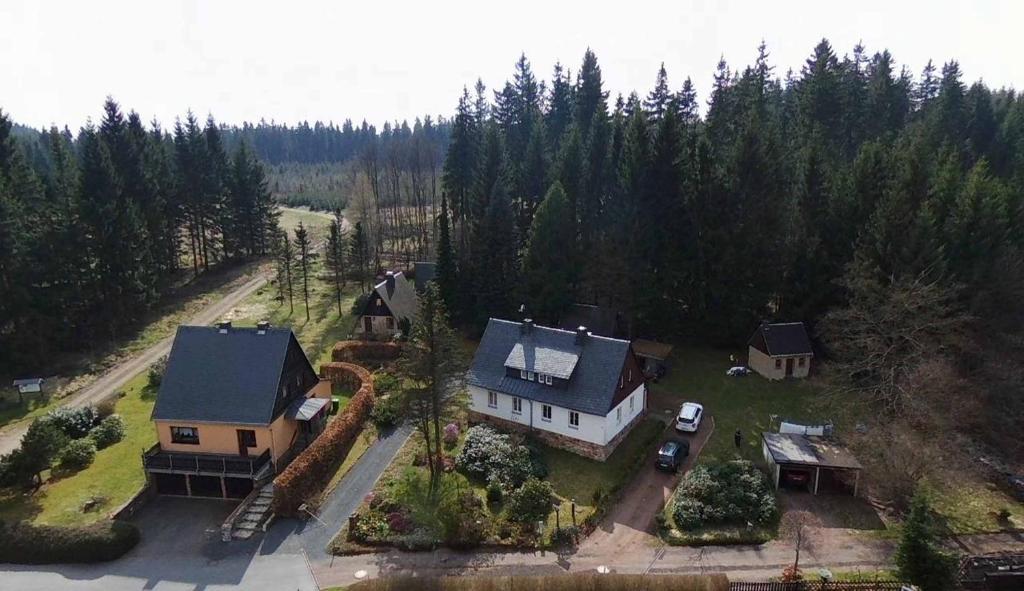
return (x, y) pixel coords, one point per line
(581, 334)
(223, 326)
(527, 326)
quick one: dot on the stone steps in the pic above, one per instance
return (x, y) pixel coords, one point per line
(252, 518)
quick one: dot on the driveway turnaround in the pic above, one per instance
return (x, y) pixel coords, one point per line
(180, 550)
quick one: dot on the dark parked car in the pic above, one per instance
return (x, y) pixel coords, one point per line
(671, 455)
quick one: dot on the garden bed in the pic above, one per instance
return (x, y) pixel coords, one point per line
(595, 487)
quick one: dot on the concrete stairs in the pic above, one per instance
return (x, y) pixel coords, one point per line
(251, 518)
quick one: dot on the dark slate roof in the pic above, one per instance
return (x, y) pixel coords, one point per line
(400, 298)
(231, 377)
(594, 381)
(782, 339)
(423, 272)
(598, 320)
(787, 448)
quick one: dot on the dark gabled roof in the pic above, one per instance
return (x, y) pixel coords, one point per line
(229, 377)
(782, 339)
(598, 320)
(423, 272)
(594, 378)
(807, 450)
(400, 297)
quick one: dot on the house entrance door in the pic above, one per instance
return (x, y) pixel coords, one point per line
(367, 324)
(789, 367)
(246, 439)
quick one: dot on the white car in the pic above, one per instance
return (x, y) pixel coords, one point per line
(689, 417)
(737, 371)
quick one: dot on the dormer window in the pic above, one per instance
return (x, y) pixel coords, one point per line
(544, 379)
(527, 375)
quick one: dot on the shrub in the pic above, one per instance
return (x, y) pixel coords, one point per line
(531, 502)
(77, 454)
(74, 422)
(106, 407)
(25, 543)
(39, 446)
(108, 432)
(417, 539)
(494, 492)
(451, 434)
(385, 383)
(493, 456)
(399, 522)
(566, 536)
(155, 377)
(372, 526)
(385, 412)
(721, 494)
(375, 351)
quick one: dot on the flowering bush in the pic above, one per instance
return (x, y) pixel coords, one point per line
(451, 434)
(728, 493)
(493, 456)
(399, 522)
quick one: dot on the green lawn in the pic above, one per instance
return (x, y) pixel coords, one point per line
(747, 403)
(113, 478)
(576, 477)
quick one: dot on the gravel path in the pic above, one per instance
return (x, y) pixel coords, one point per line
(122, 373)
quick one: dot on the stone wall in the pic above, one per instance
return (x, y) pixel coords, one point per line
(576, 446)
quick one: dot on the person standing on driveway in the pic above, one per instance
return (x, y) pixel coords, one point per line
(738, 438)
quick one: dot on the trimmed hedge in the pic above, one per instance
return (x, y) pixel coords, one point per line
(24, 543)
(312, 469)
(350, 351)
(568, 582)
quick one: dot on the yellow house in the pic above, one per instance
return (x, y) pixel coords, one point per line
(781, 350)
(235, 405)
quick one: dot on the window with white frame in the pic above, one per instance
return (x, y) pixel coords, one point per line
(517, 405)
(492, 399)
(631, 403)
(545, 412)
(618, 415)
(544, 378)
(574, 420)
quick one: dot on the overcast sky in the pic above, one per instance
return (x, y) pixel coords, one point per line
(291, 60)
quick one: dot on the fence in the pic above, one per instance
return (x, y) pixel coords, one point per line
(818, 586)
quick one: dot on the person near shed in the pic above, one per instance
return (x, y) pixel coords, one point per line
(737, 437)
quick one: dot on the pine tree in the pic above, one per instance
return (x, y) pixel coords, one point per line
(658, 100)
(447, 279)
(334, 258)
(549, 266)
(497, 282)
(460, 164)
(285, 256)
(919, 559)
(359, 255)
(561, 103)
(591, 98)
(687, 110)
(302, 246)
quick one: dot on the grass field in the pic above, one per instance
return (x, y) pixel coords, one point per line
(113, 478)
(747, 403)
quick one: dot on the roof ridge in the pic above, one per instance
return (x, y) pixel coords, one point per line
(556, 329)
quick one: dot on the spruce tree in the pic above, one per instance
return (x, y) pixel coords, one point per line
(658, 99)
(285, 256)
(919, 559)
(302, 246)
(359, 255)
(334, 258)
(549, 266)
(447, 279)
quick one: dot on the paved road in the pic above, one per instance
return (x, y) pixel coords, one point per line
(122, 373)
(312, 535)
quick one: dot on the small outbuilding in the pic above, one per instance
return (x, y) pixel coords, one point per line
(810, 463)
(781, 350)
(653, 355)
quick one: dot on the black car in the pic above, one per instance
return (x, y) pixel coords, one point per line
(671, 455)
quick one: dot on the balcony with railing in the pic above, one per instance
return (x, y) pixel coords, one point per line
(156, 460)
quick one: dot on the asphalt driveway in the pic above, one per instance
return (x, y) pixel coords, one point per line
(630, 523)
(176, 553)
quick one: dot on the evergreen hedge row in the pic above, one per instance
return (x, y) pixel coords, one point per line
(351, 351)
(25, 543)
(312, 469)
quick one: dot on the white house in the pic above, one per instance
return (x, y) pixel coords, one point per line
(779, 351)
(570, 389)
(391, 302)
